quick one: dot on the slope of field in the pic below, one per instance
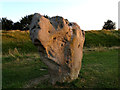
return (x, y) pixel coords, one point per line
(21, 40)
(106, 38)
(21, 62)
(17, 39)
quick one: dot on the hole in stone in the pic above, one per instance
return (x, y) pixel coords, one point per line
(61, 44)
(70, 24)
(67, 62)
(66, 32)
(54, 38)
(83, 33)
(64, 41)
(78, 45)
(48, 31)
(38, 27)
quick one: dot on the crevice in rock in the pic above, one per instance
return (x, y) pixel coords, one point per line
(54, 38)
(78, 45)
(61, 44)
(67, 62)
(38, 27)
(70, 24)
(83, 33)
(66, 32)
(50, 54)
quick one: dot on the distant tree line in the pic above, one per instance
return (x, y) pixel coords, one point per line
(24, 23)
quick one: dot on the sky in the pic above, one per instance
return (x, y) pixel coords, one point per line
(88, 14)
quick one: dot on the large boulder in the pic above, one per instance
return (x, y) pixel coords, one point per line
(60, 45)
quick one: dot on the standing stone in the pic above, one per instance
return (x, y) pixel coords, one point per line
(60, 45)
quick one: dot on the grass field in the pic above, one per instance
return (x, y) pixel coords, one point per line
(22, 42)
(104, 38)
(21, 62)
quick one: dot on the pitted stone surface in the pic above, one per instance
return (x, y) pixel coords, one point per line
(60, 45)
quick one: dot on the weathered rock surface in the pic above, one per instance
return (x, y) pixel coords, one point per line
(60, 45)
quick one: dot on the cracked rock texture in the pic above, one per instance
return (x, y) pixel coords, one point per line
(60, 45)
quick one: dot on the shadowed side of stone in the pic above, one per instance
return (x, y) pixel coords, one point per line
(60, 45)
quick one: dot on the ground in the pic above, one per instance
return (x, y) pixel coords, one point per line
(99, 70)
(22, 66)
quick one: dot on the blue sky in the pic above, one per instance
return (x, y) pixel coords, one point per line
(89, 14)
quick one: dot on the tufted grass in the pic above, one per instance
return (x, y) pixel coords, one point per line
(99, 70)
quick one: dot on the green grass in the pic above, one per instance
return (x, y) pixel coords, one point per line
(17, 39)
(99, 70)
(21, 63)
(18, 70)
(102, 38)
(22, 42)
